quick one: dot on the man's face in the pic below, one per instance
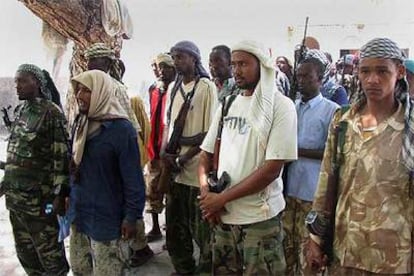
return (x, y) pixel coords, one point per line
(166, 72)
(378, 77)
(83, 97)
(283, 65)
(101, 63)
(219, 65)
(155, 70)
(246, 69)
(309, 82)
(183, 61)
(26, 85)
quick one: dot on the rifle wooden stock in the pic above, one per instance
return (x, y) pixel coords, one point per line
(216, 154)
(191, 141)
(165, 179)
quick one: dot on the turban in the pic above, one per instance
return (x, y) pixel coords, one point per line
(319, 55)
(261, 111)
(165, 58)
(191, 49)
(99, 50)
(39, 74)
(382, 48)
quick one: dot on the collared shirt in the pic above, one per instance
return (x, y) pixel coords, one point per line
(374, 214)
(111, 186)
(314, 118)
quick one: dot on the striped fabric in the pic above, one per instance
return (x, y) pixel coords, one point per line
(98, 50)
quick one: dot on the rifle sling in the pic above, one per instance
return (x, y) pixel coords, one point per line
(188, 98)
(224, 111)
(339, 143)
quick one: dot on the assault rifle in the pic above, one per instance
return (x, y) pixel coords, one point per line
(173, 146)
(6, 118)
(299, 55)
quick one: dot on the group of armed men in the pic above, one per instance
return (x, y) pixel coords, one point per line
(265, 166)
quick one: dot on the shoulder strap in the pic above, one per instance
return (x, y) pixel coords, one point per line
(174, 90)
(227, 102)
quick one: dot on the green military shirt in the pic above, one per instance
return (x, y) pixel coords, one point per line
(37, 157)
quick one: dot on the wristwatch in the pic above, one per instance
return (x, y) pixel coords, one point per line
(315, 224)
(177, 161)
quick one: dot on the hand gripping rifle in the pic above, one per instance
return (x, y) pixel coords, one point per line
(299, 55)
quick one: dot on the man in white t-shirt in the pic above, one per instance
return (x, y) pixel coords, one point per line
(258, 137)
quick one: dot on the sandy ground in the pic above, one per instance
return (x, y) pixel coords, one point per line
(9, 264)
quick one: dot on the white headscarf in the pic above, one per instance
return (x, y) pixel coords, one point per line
(261, 111)
(103, 106)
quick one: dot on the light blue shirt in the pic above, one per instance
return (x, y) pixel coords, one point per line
(314, 118)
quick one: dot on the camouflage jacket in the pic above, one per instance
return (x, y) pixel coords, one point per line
(37, 157)
(374, 213)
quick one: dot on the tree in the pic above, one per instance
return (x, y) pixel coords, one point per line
(79, 21)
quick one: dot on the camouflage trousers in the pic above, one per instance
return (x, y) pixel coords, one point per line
(185, 224)
(337, 270)
(296, 235)
(89, 257)
(252, 249)
(140, 240)
(154, 199)
(37, 246)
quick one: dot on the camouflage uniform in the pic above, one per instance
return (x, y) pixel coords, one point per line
(295, 234)
(374, 214)
(106, 258)
(258, 246)
(154, 198)
(35, 170)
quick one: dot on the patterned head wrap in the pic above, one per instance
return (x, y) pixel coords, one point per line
(166, 58)
(39, 75)
(388, 49)
(381, 48)
(319, 55)
(99, 50)
(261, 112)
(192, 49)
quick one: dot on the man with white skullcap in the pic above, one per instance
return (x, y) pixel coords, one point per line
(258, 137)
(369, 209)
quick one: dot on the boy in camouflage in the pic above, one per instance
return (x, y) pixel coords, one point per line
(36, 174)
(373, 227)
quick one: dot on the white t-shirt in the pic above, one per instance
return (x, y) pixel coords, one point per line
(241, 155)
